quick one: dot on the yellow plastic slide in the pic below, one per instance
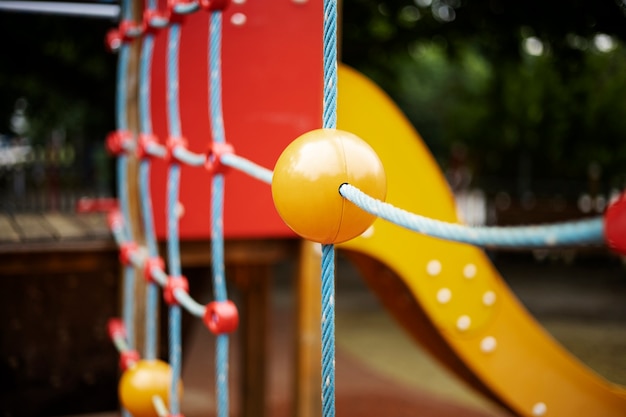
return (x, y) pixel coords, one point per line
(448, 295)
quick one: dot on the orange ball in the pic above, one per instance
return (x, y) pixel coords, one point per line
(307, 176)
(141, 382)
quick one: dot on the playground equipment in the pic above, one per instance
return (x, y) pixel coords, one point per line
(462, 311)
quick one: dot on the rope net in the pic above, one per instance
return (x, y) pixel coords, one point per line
(220, 315)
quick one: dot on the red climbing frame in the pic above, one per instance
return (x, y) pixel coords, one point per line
(271, 64)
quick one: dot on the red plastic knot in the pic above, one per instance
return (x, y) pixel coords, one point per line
(113, 40)
(143, 141)
(171, 144)
(129, 29)
(150, 264)
(213, 162)
(117, 140)
(153, 20)
(221, 317)
(615, 225)
(214, 5)
(174, 283)
(116, 328)
(115, 220)
(177, 9)
(128, 358)
(126, 251)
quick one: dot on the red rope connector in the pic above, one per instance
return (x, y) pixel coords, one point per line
(214, 5)
(175, 15)
(143, 142)
(129, 29)
(115, 220)
(171, 144)
(126, 32)
(221, 317)
(172, 284)
(150, 264)
(116, 141)
(113, 40)
(153, 20)
(116, 328)
(126, 251)
(128, 358)
(213, 162)
(615, 225)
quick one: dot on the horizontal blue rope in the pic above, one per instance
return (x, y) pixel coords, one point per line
(188, 157)
(248, 167)
(583, 232)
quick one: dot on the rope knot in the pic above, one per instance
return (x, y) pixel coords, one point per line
(221, 317)
(213, 162)
(173, 284)
(118, 142)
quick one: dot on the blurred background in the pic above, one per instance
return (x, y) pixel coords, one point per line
(521, 103)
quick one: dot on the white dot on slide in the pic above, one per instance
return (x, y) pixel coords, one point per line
(463, 322)
(469, 271)
(444, 295)
(540, 409)
(489, 298)
(488, 344)
(433, 267)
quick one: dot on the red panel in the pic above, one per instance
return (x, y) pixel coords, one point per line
(272, 93)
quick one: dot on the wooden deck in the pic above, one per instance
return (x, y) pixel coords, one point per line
(39, 243)
(36, 246)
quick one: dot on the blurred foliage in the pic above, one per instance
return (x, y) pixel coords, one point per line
(461, 70)
(60, 66)
(462, 74)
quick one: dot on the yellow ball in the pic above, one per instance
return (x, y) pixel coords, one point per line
(307, 176)
(141, 382)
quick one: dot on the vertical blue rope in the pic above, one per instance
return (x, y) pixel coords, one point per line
(328, 330)
(172, 80)
(329, 114)
(145, 63)
(173, 184)
(145, 126)
(217, 207)
(173, 253)
(129, 304)
(329, 121)
(121, 119)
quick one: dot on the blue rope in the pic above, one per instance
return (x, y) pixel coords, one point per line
(145, 126)
(128, 310)
(172, 80)
(329, 121)
(173, 185)
(122, 193)
(328, 330)
(329, 114)
(217, 207)
(248, 167)
(590, 231)
(145, 63)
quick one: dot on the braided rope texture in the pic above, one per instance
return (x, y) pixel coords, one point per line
(590, 231)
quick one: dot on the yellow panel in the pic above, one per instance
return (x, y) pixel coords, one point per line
(462, 293)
